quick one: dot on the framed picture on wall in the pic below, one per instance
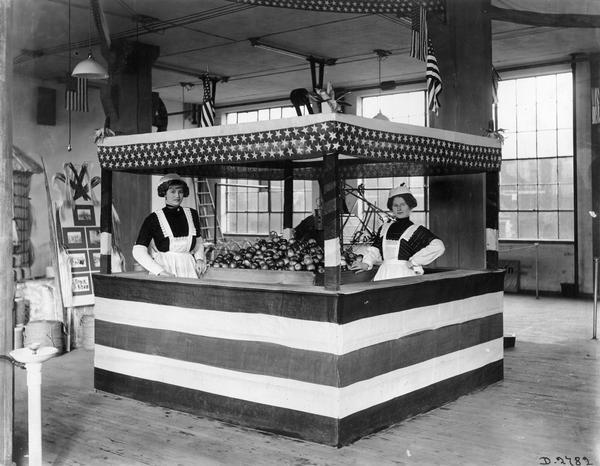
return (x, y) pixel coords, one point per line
(81, 284)
(93, 237)
(83, 215)
(74, 238)
(94, 259)
(79, 261)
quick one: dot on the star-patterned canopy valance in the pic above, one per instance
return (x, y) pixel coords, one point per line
(366, 147)
(402, 8)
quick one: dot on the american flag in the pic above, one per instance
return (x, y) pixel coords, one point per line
(434, 79)
(76, 94)
(418, 38)
(421, 48)
(207, 111)
(495, 79)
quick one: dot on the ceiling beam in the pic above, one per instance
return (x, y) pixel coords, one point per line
(533, 18)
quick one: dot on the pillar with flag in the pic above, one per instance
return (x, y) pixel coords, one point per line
(421, 48)
(207, 110)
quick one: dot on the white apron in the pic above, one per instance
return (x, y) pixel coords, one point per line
(392, 267)
(178, 259)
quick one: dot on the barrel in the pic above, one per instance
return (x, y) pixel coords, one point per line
(46, 333)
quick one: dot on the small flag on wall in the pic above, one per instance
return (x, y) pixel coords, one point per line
(76, 94)
(207, 111)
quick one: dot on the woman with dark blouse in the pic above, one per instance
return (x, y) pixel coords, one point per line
(401, 247)
(169, 241)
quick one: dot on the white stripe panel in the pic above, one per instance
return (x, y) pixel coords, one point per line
(274, 391)
(385, 327)
(105, 243)
(295, 333)
(491, 239)
(331, 252)
(371, 392)
(291, 394)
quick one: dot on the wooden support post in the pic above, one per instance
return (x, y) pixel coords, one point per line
(288, 200)
(106, 221)
(595, 157)
(458, 202)
(330, 193)
(6, 214)
(127, 101)
(492, 208)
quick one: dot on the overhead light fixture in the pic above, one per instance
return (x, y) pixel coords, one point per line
(272, 48)
(381, 54)
(89, 68)
(256, 42)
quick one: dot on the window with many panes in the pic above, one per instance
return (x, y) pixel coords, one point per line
(256, 206)
(406, 107)
(536, 180)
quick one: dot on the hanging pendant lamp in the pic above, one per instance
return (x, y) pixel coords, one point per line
(381, 54)
(89, 68)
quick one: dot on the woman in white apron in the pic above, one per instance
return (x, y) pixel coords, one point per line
(401, 247)
(169, 242)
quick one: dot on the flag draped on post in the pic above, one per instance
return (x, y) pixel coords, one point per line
(421, 48)
(76, 94)
(495, 80)
(434, 80)
(207, 111)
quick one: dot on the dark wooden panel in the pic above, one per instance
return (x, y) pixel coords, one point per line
(46, 106)
(378, 301)
(457, 216)
(293, 303)
(132, 197)
(374, 299)
(303, 365)
(282, 421)
(392, 355)
(378, 417)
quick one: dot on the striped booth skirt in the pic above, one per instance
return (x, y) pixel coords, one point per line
(326, 366)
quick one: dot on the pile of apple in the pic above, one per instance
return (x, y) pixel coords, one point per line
(274, 253)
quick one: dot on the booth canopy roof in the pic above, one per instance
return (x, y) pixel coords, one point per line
(403, 8)
(367, 148)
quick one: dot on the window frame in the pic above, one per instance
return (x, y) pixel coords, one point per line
(559, 213)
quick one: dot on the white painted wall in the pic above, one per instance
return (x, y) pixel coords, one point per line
(50, 142)
(555, 264)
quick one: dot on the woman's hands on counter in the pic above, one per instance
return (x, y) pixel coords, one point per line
(359, 266)
(165, 273)
(201, 266)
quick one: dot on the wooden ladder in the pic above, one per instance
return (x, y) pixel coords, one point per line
(207, 212)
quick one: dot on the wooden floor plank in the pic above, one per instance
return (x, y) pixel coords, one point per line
(547, 405)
